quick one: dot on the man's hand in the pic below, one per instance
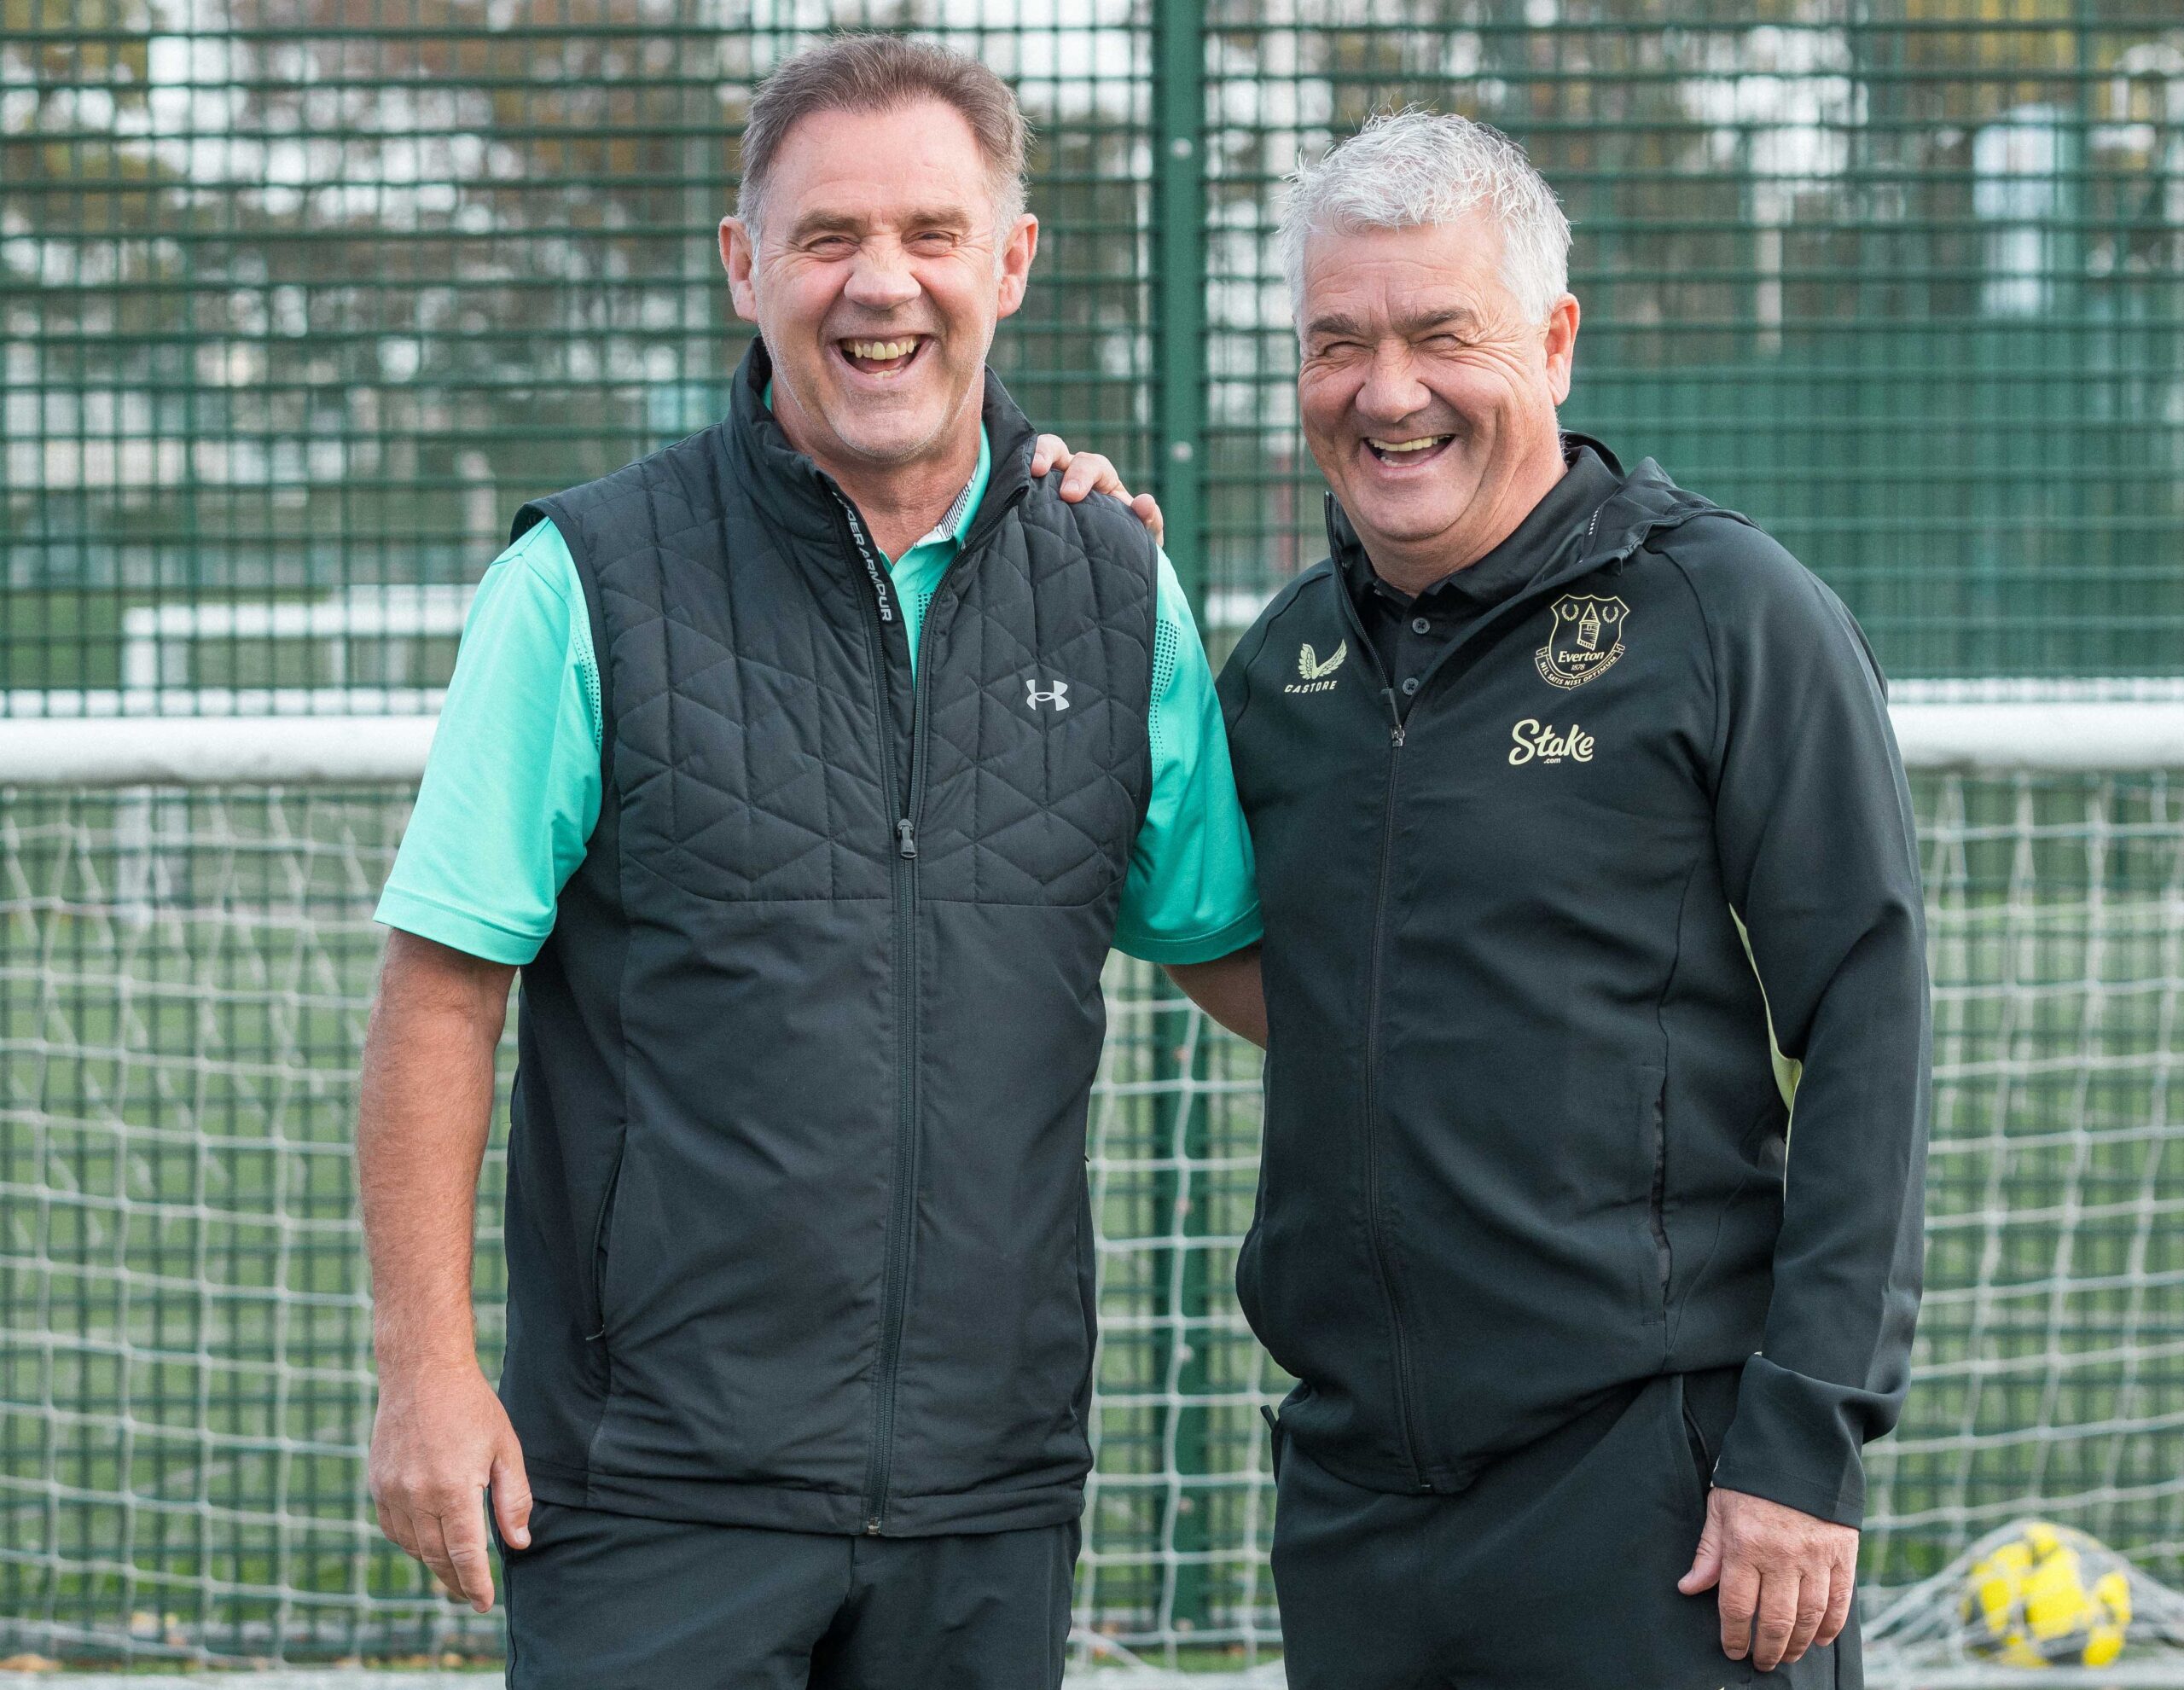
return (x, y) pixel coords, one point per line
(439, 1440)
(1086, 473)
(1793, 1571)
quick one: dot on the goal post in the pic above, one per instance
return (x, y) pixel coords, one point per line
(1987, 727)
(186, 963)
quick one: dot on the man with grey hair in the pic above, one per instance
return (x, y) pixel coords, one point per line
(807, 769)
(1583, 848)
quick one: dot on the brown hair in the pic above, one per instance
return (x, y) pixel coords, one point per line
(871, 73)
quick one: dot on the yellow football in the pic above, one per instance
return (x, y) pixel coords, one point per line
(2049, 1596)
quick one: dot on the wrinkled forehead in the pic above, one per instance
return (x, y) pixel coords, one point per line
(1400, 279)
(860, 171)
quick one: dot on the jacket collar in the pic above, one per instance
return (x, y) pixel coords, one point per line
(805, 503)
(1646, 503)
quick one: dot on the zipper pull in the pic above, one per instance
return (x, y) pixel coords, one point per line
(906, 839)
(1395, 717)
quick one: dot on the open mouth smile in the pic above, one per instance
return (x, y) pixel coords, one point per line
(872, 356)
(1416, 449)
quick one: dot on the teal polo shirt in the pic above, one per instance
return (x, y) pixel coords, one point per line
(511, 789)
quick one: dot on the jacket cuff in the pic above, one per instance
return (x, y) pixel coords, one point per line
(1795, 1441)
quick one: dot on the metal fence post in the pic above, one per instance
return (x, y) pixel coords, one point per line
(1179, 372)
(1179, 384)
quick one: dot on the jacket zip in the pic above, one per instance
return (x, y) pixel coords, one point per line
(1657, 1216)
(880, 1470)
(1406, 1412)
(1400, 1342)
(598, 1235)
(903, 876)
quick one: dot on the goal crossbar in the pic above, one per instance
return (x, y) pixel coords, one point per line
(2059, 735)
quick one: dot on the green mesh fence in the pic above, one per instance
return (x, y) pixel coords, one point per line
(297, 303)
(1899, 280)
(301, 299)
(185, 1380)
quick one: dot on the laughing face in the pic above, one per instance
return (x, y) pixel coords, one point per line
(1427, 395)
(876, 279)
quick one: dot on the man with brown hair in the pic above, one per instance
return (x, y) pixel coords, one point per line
(807, 769)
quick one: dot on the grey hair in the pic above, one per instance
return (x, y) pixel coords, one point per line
(1414, 169)
(876, 73)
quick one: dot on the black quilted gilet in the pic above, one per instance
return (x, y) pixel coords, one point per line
(798, 1228)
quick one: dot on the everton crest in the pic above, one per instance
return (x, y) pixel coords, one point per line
(1583, 639)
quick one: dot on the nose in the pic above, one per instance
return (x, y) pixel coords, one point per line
(1392, 390)
(880, 279)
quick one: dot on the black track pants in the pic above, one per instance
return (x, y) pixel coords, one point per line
(1555, 1571)
(602, 1602)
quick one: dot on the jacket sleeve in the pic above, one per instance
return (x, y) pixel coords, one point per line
(1819, 853)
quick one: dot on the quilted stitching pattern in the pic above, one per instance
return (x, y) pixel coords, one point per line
(1028, 803)
(748, 715)
(718, 1002)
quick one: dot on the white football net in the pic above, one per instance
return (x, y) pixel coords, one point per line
(185, 970)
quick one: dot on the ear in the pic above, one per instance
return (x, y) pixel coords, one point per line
(1017, 252)
(1561, 345)
(738, 257)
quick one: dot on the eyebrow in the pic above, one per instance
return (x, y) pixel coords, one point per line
(1462, 314)
(842, 223)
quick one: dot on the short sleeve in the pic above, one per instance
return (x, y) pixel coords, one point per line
(1192, 894)
(511, 789)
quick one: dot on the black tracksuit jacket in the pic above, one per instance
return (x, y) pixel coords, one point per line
(1527, 1137)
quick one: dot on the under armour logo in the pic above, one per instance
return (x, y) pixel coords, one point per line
(1057, 695)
